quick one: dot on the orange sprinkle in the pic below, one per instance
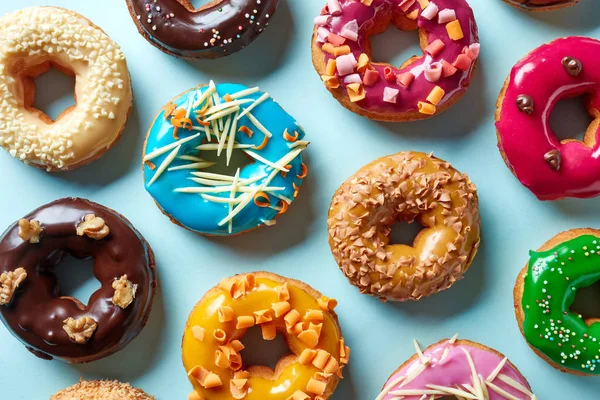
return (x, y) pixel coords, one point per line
(249, 132)
(220, 335)
(175, 136)
(309, 338)
(296, 189)
(263, 144)
(289, 137)
(303, 173)
(150, 165)
(307, 356)
(203, 123)
(269, 331)
(244, 322)
(169, 110)
(281, 308)
(283, 207)
(284, 173)
(265, 202)
(227, 98)
(283, 292)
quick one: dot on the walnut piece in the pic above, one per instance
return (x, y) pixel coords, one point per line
(124, 292)
(93, 227)
(9, 282)
(80, 330)
(30, 230)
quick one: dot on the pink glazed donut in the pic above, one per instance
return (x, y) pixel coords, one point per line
(458, 369)
(552, 169)
(423, 86)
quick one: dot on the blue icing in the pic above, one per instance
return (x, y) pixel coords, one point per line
(191, 209)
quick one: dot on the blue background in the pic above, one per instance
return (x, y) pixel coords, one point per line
(479, 307)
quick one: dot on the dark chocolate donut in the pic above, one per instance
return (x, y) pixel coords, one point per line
(216, 29)
(55, 326)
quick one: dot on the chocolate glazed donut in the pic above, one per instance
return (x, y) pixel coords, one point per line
(54, 326)
(217, 29)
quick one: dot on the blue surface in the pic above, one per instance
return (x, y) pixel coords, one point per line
(479, 307)
(204, 216)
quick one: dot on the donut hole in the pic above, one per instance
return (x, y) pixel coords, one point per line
(404, 233)
(196, 4)
(47, 89)
(587, 303)
(395, 46)
(259, 352)
(76, 279)
(570, 120)
(239, 159)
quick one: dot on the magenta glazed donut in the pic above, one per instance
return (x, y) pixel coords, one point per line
(551, 168)
(423, 86)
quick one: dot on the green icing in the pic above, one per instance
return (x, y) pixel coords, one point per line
(550, 285)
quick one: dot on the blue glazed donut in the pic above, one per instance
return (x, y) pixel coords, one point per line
(223, 118)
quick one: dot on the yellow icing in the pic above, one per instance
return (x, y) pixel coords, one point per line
(293, 376)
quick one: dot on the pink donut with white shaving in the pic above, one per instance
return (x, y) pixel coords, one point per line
(457, 368)
(423, 86)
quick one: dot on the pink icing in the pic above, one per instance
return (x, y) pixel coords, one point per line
(454, 370)
(525, 139)
(380, 12)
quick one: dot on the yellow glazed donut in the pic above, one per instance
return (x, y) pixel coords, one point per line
(33, 40)
(213, 333)
(101, 390)
(406, 186)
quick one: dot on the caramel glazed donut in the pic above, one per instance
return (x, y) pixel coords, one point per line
(404, 187)
(33, 40)
(101, 390)
(217, 29)
(541, 5)
(54, 326)
(212, 344)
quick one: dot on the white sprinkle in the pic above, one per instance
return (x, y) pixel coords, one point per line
(261, 99)
(168, 147)
(198, 165)
(244, 93)
(259, 126)
(265, 161)
(164, 165)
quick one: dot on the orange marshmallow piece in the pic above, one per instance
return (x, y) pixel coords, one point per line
(454, 29)
(426, 108)
(436, 95)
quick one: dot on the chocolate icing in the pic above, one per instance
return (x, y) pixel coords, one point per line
(37, 311)
(176, 27)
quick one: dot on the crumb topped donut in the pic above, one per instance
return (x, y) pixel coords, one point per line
(212, 341)
(216, 29)
(407, 186)
(551, 168)
(223, 119)
(423, 86)
(541, 5)
(459, 369)
(544, 293)
(101, 390)
(33, 40)
(52, 325)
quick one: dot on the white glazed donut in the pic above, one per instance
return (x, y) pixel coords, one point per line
(33, 40)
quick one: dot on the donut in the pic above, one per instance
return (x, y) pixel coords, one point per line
(216, 29)
(423, 86)
(541, 5)
(551, 168)
(32, 41)
(544, 293)
(459, 369)
(213, 333)
(101, 390)
(222, 119)
(407, 186)
(52, 325)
